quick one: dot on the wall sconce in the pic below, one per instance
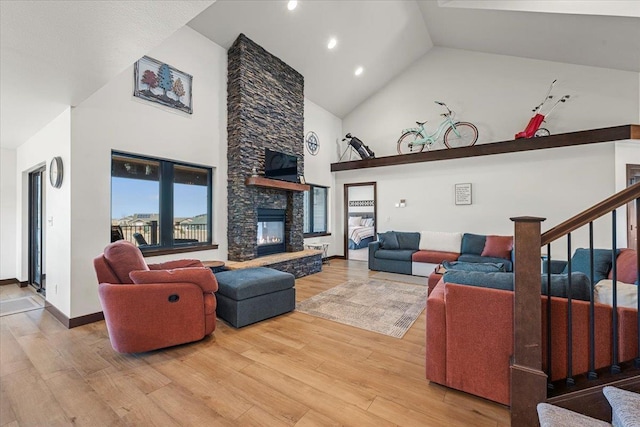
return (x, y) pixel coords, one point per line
(402, 203)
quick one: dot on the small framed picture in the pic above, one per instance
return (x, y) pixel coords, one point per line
(462, 194)
(302, 180)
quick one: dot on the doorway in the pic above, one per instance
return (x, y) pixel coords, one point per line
(37, 275)
(359, 219)
(633, 176)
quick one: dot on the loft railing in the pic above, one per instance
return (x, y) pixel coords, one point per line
(529, 383)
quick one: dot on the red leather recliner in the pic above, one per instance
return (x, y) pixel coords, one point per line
(147, 307)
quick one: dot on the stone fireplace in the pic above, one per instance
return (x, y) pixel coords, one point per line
(265, 108)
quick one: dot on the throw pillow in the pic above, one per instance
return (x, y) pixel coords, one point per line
(388, 240)
(486, 267)
(627, 294)
(440, 241)
(408, 240)
(354, 221)
(472, 243)
(498, 247)
(580, 261)
(627, 270)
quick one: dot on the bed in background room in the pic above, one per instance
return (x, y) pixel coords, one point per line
(361, 229)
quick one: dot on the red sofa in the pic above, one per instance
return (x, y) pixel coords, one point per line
(147, 307)
(470, 336)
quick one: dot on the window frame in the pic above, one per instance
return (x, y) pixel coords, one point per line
(311, 212)
(167, 244)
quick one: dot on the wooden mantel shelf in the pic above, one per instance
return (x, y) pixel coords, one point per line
(260, 181)
(617, 133)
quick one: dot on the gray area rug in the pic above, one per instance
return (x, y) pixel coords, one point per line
(395, 277)
(18, 305)
(381, 306)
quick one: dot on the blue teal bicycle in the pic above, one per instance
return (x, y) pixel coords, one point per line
(456, 134)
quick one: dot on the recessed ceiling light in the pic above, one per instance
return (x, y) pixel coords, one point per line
(292, 4)
(332, 43)
(359, 71)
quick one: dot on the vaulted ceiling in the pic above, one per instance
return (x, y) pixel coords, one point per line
(57, 53)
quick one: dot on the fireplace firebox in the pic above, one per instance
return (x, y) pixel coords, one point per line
(271, 236)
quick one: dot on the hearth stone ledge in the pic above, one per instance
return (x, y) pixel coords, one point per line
(300, 263)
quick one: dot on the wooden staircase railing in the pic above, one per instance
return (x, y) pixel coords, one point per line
(528, 381)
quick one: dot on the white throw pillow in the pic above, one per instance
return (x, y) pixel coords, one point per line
(627, 294)
(440, 241)
(354, 221)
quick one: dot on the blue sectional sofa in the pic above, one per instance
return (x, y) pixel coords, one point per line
(407, 252)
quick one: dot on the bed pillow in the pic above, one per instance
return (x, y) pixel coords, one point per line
(601, 263)
(355, 221)
(627, 293)
(367, 222)
(388, 240)
(440, 241)
(498, 247)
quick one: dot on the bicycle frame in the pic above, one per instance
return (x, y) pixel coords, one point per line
(430, 139)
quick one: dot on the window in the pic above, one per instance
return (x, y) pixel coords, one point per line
(160, 204)
(315, 211)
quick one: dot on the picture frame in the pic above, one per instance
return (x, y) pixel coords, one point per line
(462, 194)
(161, 83)
(302, 180)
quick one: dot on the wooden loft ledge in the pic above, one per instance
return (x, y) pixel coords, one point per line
(260, 181)
(617, 133)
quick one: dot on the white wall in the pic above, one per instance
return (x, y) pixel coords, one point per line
(555, 184)
(52, 140)
(496, 93)
(626, 153)
(112, 119)
(317, 168)
(8, 255)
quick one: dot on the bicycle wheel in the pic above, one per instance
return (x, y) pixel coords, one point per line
(542, 132)
(406, 145)
(467, 135)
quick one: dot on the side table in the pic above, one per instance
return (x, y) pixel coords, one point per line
(215, 266)
(324, 247)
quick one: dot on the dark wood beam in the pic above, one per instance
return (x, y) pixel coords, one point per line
(616, 133)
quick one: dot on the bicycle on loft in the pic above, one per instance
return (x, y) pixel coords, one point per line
(456, 134)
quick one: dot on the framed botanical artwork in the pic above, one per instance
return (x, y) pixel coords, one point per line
(158, 82)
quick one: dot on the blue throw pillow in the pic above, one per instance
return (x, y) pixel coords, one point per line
(486, 267)
(388, 240)
(473, 243)
(601, 263)
(408, 240)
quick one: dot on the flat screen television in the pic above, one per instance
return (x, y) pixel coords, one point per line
(280, 166)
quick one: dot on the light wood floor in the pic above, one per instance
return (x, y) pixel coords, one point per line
(292, 370)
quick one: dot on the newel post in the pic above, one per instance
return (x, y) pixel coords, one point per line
(528, 381)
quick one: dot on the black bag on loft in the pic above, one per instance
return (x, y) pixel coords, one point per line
(364, 151)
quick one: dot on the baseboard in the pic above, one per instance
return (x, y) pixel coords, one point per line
(336, 257)
(76, 321)
(9, 282)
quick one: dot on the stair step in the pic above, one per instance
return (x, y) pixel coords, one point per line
(555, 416)
(625, 406)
